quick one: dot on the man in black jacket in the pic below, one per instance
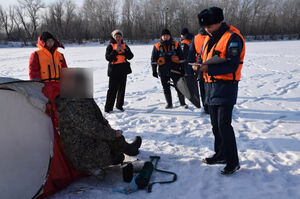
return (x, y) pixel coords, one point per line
(167, 55)
(117, 53)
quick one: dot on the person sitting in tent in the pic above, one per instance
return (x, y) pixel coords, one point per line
(86, 136)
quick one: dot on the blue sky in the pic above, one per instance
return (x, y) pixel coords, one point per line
(6, 3)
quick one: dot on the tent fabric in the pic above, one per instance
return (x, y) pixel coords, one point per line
(41, 96)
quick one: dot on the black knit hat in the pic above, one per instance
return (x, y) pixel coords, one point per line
(184, 31)
(165, 32)
(210, 16)
(45, 36)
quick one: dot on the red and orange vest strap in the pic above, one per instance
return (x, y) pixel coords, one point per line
(120, 57)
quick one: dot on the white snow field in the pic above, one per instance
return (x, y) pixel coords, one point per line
(266, 120)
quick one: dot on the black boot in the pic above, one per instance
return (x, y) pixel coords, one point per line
(118, 159)
(182, 100)
(169, 101)
(133, 148)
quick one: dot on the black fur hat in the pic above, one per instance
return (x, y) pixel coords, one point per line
(165, 32)
(210, 16)
(45, 36)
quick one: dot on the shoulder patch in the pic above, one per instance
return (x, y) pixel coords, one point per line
(233, 44)
(234, 51)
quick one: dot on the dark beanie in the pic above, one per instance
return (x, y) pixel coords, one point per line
(185, 31)
(165, 32)
(210, 16)
(45, 36)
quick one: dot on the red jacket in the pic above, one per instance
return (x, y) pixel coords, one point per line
(34, 65)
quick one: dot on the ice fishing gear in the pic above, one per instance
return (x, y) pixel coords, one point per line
(141, 180)
(156, 159)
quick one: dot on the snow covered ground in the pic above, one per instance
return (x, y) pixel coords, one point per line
(266, 120)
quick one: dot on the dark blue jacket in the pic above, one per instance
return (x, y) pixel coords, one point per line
(223, 92)
(185, 50)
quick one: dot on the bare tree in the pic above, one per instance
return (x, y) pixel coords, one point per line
(7, 20)
(28, 15)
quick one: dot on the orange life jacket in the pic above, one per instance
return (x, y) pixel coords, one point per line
(221, 47)
(50, 64)
(198, 43)
(167, 51)
(185, 41)
(121, 56)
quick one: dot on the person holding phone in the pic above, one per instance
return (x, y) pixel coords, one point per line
(117, 53)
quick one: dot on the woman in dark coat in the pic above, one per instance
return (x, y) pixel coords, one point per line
(117, 53)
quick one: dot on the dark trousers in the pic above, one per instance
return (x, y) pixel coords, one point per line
(167, 88)
(202, 92)
(225, 143)
(116, 89)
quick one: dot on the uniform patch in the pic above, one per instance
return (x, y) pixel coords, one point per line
(234, 44)
(234, 51)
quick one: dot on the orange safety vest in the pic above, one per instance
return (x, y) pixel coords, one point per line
(167, 51)
(120, 57)
(198, 43)
(186, 41)
(221, 47)
(50, 65)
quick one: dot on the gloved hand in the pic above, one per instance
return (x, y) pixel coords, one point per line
(154, 74)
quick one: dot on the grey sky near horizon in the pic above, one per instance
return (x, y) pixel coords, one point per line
(7, 3)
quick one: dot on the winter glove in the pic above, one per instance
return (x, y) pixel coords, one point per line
(154, 74)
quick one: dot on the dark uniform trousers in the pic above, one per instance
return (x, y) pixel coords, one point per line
(167, 88)
(225, 143)
(116, 89)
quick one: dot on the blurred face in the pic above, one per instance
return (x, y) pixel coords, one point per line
(118, 37)
(49, 43)
(165, 37)
(212, 28)
(182, 36)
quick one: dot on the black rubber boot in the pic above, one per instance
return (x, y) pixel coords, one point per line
(169, 101)
(133, 148)
(118, 159)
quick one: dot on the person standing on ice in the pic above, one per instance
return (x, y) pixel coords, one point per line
(117, 53)
(167, 55)
(185, 43)
(193, 56)
(221, 83)
(45, 64)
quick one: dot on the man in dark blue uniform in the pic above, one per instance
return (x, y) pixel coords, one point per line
(221, 83)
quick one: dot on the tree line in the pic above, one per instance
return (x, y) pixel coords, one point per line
(141, 20)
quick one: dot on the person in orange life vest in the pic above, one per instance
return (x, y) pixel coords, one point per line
(185, 43)
(46, 63)
(193, 56)
(168, 57)
(117, 53)
(221, 83)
